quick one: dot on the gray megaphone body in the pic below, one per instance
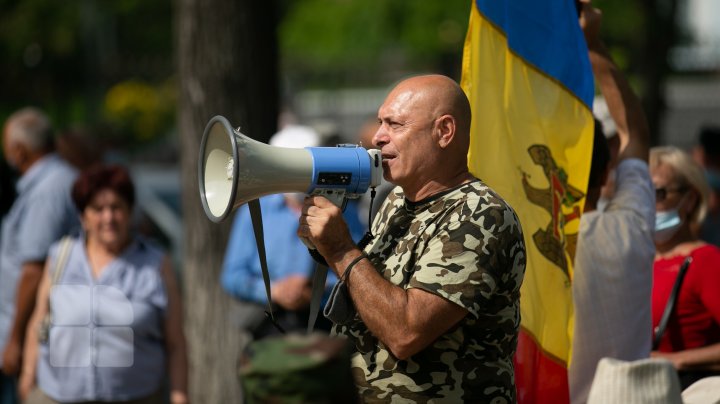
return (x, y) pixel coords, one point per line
(234, 169)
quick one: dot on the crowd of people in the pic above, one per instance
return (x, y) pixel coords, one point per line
(90, 311)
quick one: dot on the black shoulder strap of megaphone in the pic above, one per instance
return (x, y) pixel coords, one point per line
(319, 278)
(318, 289)
(321, 270)
(670, 306)
(256, 217)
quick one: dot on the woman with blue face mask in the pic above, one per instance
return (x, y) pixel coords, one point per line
(692, 337)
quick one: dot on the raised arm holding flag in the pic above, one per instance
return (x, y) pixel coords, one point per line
(614, 258)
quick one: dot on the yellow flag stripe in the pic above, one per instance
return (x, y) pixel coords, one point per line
(516, 107)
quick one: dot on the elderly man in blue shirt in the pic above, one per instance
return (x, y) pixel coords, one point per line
(41, 214)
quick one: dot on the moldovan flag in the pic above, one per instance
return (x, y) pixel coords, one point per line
(527, 74)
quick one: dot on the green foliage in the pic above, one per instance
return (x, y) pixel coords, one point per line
(621, 20)
(140, 109)
(322, 37)
(68, 56)
(64, 56)
(38, 40)
(622, 30)
(45, 22)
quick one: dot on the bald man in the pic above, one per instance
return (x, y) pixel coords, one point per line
(433, 300)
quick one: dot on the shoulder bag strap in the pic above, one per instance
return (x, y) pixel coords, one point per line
(670, 306)
(61, 262)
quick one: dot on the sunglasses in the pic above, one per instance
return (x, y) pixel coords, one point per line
(662, 193)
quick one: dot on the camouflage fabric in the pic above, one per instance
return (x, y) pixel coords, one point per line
(297, 369)
(465, 245)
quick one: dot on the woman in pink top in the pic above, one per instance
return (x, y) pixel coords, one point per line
(692, 338)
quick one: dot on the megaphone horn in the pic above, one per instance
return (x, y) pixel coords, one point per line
(234, 169)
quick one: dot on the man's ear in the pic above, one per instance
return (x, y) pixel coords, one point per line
(446, 127)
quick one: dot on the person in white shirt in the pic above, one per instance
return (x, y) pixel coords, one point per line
(612, 278)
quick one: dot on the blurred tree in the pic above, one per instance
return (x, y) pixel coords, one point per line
(64, 56)
(640, 35)
(660, 33)
(227, 62)
(334, 43)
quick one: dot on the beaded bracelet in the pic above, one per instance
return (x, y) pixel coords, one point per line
(357, 259)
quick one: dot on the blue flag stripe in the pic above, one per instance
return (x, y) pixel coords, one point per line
(548, 37)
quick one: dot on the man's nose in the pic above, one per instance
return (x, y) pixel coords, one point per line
(381, 137)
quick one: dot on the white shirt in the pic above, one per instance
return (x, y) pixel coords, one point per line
(612, 278)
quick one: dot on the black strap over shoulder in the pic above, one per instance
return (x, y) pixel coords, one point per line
(670, 306)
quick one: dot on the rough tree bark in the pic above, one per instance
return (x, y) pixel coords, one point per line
(227, 64)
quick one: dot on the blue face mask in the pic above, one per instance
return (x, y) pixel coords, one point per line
(667, 224)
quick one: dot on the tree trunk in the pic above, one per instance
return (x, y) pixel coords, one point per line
(660, 30)
(227, 64)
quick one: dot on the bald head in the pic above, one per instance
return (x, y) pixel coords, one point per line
(424, 135)
(439, 95)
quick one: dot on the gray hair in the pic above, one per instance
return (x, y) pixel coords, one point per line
(31, 127)
(687, 172)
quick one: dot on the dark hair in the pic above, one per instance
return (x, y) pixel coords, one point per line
(600, 157)
(709, 139)
(98, 178)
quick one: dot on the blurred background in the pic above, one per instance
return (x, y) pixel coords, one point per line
(134, 81)
(107, 69)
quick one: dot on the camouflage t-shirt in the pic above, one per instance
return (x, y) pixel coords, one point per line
(465, 245)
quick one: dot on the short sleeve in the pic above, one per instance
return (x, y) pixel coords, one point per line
(450, 267)
(476, 259)
(44, 223)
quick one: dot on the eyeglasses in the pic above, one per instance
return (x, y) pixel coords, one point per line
(662, 193)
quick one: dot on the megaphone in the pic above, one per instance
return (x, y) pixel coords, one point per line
(234, 169)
